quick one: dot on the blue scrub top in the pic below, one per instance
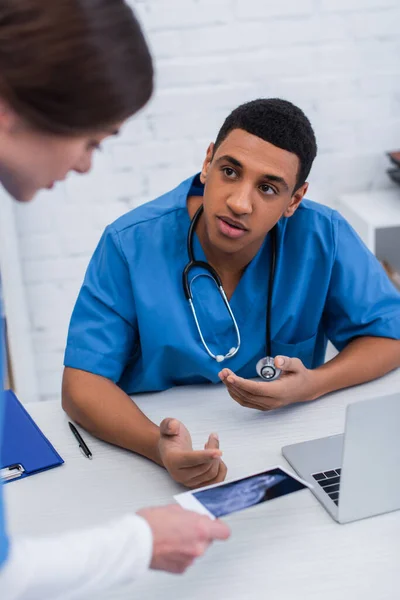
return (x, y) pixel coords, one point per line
(133, 325)
(3, 536)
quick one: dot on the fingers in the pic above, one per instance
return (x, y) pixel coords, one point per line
(219, 530)
(288, 364)
(192, 468)
(213, 441)
(209, 531)
(205, 473)
(224, 374)
(239, 389)
(250, 401)
(202, 472)
(255, 388)
(208, 477)
(180, 536)
(222, 471)
(169, 427)
(240, 397)
(237, 395)
(198, 457)
(295, 385)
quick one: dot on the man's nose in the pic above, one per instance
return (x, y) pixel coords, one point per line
(240, 201)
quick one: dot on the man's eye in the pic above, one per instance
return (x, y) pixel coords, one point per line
(267, 189)
(229, 172)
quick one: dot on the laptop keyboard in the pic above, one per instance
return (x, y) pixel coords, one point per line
(330, 482)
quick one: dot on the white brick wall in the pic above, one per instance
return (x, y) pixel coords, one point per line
(337, 59)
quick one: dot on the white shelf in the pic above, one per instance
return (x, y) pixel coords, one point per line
(376, 218)
(380, 208)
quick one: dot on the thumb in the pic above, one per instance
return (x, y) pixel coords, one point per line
(213, 442)
(219, 530)
(288, 364)
(169, 427)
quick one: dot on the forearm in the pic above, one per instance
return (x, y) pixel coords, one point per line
(77, 565)
(104, 410)
(364, 359)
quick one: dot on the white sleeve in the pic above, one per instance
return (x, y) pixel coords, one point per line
(79, 564)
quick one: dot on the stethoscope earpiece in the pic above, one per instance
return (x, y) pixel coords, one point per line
(267, 370)
(220, 357)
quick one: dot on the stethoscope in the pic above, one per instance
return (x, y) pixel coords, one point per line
(265, 366)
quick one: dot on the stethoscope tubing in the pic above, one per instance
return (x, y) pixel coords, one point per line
(212, 273)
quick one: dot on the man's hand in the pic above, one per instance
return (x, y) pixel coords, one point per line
(180, 536)
(296, 384)
(192, 468)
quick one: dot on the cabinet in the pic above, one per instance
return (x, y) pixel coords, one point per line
(375, 216)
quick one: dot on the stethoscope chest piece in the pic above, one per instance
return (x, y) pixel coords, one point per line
(267, 370)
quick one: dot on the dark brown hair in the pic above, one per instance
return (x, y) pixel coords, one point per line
(73, 66)
(278, 122)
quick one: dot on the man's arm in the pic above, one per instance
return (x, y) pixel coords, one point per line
(104, 410)
(364, 359)
(84, 563)
(79, 564)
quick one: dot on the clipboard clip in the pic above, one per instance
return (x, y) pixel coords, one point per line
(11, 472)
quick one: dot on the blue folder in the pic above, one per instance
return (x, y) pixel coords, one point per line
(25, 450)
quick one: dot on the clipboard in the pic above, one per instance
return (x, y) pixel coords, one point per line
(25, 450)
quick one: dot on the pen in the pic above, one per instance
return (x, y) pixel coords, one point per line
(80, 440)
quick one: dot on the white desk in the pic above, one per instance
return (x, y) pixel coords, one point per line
(287, 549)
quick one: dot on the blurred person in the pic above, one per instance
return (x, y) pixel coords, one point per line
(71, 73)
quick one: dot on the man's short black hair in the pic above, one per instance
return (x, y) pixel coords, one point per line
(278, 122)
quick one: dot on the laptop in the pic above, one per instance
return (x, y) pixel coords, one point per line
(355, 475)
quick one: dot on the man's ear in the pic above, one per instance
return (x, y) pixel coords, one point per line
(296, 200)
(207, 163)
